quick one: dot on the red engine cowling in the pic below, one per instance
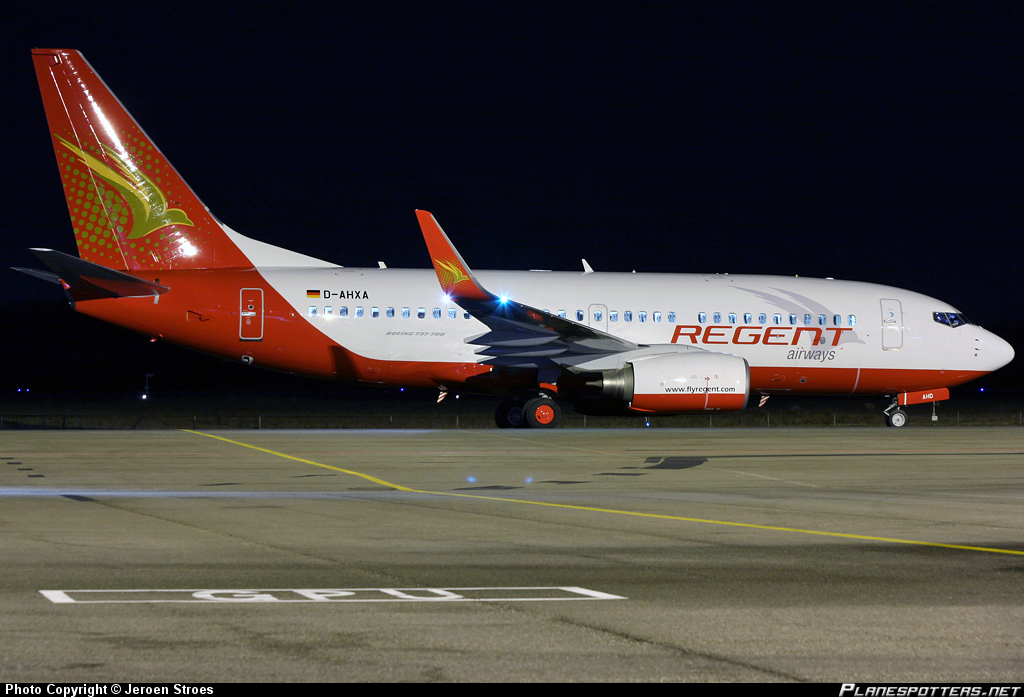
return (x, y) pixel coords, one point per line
(678, 382)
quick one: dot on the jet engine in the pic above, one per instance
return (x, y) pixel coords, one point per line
(679, 382)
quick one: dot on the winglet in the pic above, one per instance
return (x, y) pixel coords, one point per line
(454, 275)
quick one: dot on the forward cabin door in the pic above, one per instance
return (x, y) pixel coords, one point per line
(250, 315)
(892, 325)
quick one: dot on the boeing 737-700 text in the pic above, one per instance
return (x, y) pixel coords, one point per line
(152, 258)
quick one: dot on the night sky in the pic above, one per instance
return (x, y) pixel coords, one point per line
(884, 146)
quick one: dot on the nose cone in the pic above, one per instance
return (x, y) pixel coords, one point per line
(992, 352)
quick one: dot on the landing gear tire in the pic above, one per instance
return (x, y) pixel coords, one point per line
(542, 413)
(510, 414)
(896, 419)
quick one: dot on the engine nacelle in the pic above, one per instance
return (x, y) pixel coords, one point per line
(678, 382)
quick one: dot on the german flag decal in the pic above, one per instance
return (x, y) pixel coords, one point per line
(312, 294)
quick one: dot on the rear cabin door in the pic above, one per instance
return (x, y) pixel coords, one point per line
(250, 315)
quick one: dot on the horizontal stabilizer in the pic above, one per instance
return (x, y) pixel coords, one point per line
(85, 280)
(45, 275)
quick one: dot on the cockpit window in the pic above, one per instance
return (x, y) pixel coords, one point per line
(953, 319)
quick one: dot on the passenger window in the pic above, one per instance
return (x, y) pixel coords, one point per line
(657, 316)
(627, 316)
(405, 313)
(853, 320)
(762, 318)
(702, 317)
(466, 315)
(822, 320)
(732, 318)
(837, 320)
(312, 310)
(343, 311)
(452, 313)
(389, 313)
(597, 315)
(672, 317)
(613, 315)
(561, 313)
(792, 320)
(328, 311)
(579, 315)
(777, 317)
(437, 313)
(359, 312)
(717, 317)
(642, 315)
(421, 312)
(374, 312)
(747, 318)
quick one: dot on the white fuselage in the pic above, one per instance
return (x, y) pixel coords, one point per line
(795, 328)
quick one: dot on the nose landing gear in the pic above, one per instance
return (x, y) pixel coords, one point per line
(896, 419)
(894, 416)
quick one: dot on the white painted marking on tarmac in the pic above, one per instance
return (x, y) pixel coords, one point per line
(765, 476)
(57, 596)
(482, 594)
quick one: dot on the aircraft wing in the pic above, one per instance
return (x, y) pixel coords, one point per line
(520, 336)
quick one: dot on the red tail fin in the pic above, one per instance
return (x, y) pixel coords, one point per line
(129, 207)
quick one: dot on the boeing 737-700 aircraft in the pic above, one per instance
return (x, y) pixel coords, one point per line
(152, 258)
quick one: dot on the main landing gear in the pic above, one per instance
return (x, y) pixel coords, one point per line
(539, 412)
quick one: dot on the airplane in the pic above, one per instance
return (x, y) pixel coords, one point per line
(152, 258)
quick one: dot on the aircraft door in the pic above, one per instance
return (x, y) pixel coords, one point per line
(250, 314)
(892, 324)
(598, 317)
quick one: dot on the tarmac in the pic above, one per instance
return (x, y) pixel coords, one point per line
(786, 554)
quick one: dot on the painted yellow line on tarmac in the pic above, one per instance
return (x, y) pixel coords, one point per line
(367, 477)
(637, 514)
